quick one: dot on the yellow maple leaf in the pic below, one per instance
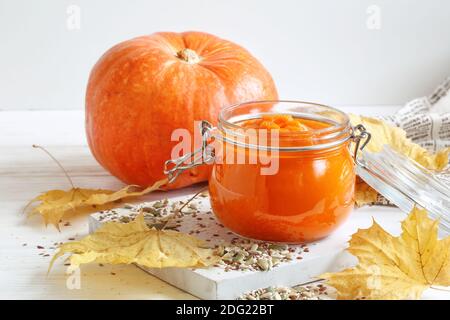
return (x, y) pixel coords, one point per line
(54, 204)
(364, 194)
(386, 134)
(135, 242)
(395, 267)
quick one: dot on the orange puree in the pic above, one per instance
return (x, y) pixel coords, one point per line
(308, 197)
(282, 122)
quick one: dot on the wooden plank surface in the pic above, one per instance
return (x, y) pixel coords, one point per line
(24, 173)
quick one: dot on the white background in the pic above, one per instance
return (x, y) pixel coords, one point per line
(316, 50)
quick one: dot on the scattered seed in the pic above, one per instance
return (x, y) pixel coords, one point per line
(239, 254)
(124, 219)
(314, 292)
(263, 264)
(158, 205)
(204, 194)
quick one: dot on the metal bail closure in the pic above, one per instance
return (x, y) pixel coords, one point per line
(203, 155)
(360, 134)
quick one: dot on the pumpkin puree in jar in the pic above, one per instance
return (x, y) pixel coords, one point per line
(307, 198)
(282, 122)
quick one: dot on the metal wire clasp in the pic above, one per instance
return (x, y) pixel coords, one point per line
(360, 135)
(203, 155)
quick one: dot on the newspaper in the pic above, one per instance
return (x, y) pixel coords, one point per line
(426, 121)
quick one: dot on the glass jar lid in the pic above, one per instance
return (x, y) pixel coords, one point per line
(406, 183)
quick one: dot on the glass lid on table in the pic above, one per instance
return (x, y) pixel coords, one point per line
(406, 183)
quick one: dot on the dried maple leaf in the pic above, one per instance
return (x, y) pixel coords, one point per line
(135, 242)
(395, 267)
(54, 204)
(384, 133)
(364, 194)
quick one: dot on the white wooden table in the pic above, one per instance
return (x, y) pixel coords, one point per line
(25, 172)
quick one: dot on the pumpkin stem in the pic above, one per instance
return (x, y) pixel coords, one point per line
(188, 55)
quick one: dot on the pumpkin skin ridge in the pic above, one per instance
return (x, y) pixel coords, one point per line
(116, 62)
(164, 70)
(168, 70)
(92, 142)
(109, 101)
(112, 70)
(195, 117)
(189, 103)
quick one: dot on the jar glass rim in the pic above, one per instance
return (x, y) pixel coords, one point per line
(337, 132)
(335, 127)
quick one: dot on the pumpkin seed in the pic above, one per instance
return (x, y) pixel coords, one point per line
(157, 205)
(278, 246)
(124, 219)
(238, 257)
(263, 264)
(313, 292)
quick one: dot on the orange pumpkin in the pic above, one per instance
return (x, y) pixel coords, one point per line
(144, 88)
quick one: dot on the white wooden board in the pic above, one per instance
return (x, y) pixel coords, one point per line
(217, 283)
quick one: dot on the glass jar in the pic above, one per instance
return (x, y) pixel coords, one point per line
(291, 187)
